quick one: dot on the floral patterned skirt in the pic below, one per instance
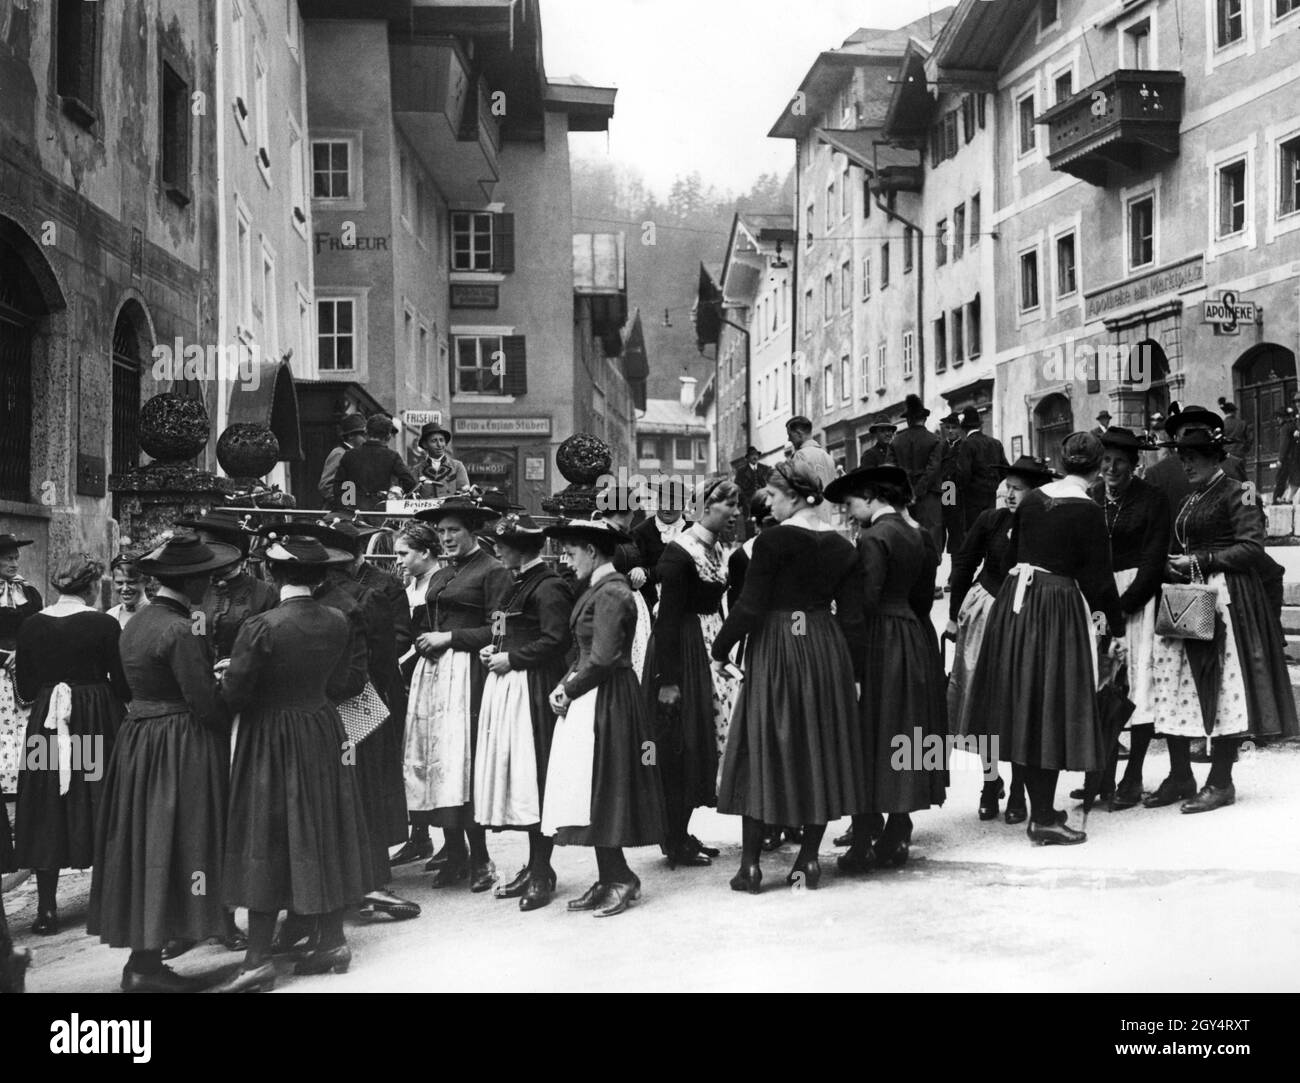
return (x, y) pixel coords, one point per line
(13, 729)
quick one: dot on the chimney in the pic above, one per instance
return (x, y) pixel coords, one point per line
(688, 391)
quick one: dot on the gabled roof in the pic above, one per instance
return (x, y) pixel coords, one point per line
(670, 416)
(911, 102)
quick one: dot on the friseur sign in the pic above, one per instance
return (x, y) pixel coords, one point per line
(1176, 278)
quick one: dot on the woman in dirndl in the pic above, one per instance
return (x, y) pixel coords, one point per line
(447, 688)
(619, 506)
(602, 790)
(1234, 687)
(902, 708)
(1137, 522)
(417, 551)
(986, 549)
(524, 662)
(69, 667)
(18, 601)
(296, 837)
(1046, 718)
(794, 752)
(690, 704)
(162, 829)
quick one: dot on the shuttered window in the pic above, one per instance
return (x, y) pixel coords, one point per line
(76, 37)
(482, 241)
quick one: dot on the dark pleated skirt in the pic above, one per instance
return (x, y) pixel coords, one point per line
(794, 751)
(904, 714)
(688, 734)
(627, 800)
(296, 836)
(392, 737)
(58, 832)
(1034, 686)
(1270, 702)
(7, 862)
(161, 835)
(372, 773)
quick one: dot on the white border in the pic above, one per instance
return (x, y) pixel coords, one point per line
(1127, 196)
(1275, 225)
(1215, 56)
(1244, 150)
(360, 298)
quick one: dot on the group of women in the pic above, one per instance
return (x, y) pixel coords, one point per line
(792, 682)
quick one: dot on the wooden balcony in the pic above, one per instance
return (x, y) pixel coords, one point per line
(1129, 118)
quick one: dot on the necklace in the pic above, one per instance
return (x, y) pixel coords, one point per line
(1185, 512)
(1112, 517)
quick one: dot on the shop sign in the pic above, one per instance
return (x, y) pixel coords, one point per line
(502, 426)
(475, 295)
(1176, 278)
(1228, 313)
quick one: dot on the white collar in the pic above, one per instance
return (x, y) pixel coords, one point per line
(67, 606)
(668, 531)
(703, 534)
(531, 564)
(1072, 486)
(603, 572)
(883, 511)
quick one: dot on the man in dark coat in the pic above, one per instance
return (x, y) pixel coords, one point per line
(954, 522)
(976, 471)
(751, 476)
(1236, 430)
(352, 431)
(366, 473)
(920, 453)
(1288, 460)
(1103, 423)
(878, 453)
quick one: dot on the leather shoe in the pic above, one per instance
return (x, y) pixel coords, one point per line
(258, 980)
(990, 795)
(161, 980)
(772, 840)
(1016, 812)
(858, 860)
(845, 839)
(482, 877)
(1170, 792)
(749, 878)
(893, 849)
(805, 874)
(688, 858)
(47, 922)
(442, 857)
(700, 848)
(516, 888)
(412, 850)
(385, 902)
(323, 960)
(450, 872)
(1211, 797)
(176, 947)
(538, 892)
(1055, 834)
(235, 939)
(1125, 798)
(591, 898)
(618, 897)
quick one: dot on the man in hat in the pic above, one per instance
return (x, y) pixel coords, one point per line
(813, 455)
(352, 431)
(953, 522)
(1287, 486)
(369, 473)
(977, 471)
(1235, 430)
(920, 454)
(441, 475)
(751, 476)
(878, 451)
(1103, 423)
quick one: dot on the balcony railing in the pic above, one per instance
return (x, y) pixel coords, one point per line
(1129, 118)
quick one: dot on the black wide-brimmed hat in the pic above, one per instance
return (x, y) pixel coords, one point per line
(185, 554)
(286, 548)
(225, 525)
(970, 418)
(12, 541)
(852, 483)
(432, 428)
(1034, 470)
(953, 418)
(1197, 440)
(1195, 417)
(1121, 439)
(1104, 415)
(350, 424)
(603, 534)
(472, 512)
(514, 528)
(883, 426)
(913, 408)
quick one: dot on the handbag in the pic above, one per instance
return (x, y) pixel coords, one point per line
(1186, 610)
(363, 714)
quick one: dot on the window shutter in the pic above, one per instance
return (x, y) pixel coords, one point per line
(514, 381)
(503, 244)
(979, 109)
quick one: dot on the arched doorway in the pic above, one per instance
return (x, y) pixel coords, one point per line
(1053, 422)
(128, 371)
(1154, 373)
(22, 308)
(1264, 382)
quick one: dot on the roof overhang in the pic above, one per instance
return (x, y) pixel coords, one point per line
(911, 103)
(589, 108)
(866, 147)
(824, 79)
(976, 41)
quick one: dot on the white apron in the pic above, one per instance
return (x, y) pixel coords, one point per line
(572, 766)
(1140, 644)
(505, 763)
(436, 760)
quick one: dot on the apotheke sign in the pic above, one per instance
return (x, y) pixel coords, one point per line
(1228, 312)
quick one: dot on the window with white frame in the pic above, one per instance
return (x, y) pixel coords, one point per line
(864, 375)
(239, 66)
(1283, 8)
(809, 219)
(1229, 22)
(408, 341)
(846, 378)
(1141, 231)
(884, 266)
(331, 169)
(958, 230)
(828, 388)
(1067, 278)
(846, 284)
(261, 116)
(828, 298)
(941, 344)
(297, 179)
(477, 371)
(958, 336)
(1289, 174)
(774, 391)
(270, 306)
(807, 312)
(974, 217)
(293, 31)
(1231, 198)
(471, 241)
(909, 354)
(244, 270)
(306, 333)
(866, 277)
(1029, 280)
(846, 196)
(882, 358)
(1136, 43)
(829, 221)
(941, 242)
(1063, 84)
(1048, 14)
(974, 333)
(1026, 132)
(336, 334)
(683, 451)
